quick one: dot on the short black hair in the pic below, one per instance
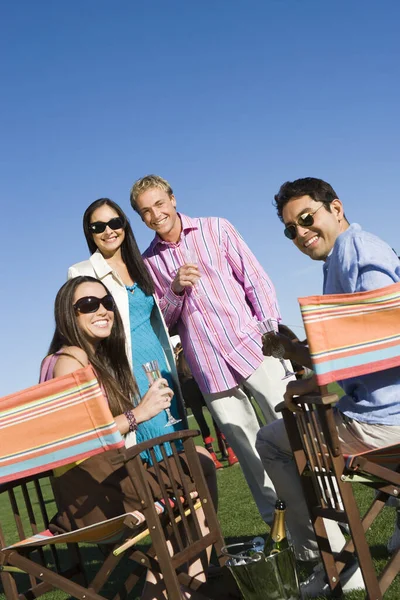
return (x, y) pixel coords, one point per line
(318, 189)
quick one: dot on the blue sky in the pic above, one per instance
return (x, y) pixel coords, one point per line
(226, 99)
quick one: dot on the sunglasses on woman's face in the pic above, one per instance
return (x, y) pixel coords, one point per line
(91, 304)
(304, 220)
(100, 226)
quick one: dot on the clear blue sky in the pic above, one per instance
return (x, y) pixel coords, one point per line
(226, 99)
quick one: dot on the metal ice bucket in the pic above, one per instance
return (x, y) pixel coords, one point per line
(263, 578)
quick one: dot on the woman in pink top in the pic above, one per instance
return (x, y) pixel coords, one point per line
(89, 331)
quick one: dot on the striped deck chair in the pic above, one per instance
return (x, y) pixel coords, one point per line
(62, 421)
(348, 335)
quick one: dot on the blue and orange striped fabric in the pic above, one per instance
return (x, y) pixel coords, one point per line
(53, 424)
(353, 334)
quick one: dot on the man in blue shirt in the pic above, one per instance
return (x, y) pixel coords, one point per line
(369, 413)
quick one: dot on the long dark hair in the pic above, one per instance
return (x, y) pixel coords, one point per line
(109, 361)
(129, 250)
(182, 366)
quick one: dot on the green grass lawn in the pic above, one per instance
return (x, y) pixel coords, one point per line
(240, 521)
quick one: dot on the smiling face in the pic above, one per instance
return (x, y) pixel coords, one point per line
(110, 241)
(318, 239)
(158, 211)
(95, 326)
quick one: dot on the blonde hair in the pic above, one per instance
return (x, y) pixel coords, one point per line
(145, 183)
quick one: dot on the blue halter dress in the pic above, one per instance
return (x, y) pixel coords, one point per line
(146, 347)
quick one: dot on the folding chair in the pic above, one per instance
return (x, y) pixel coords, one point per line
(348, 335)
(65, 420)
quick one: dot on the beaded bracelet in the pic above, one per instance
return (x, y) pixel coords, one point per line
(131, 420)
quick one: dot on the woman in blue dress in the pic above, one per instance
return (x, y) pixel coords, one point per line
(117, 262)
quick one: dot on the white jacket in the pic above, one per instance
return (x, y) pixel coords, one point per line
(98, 267)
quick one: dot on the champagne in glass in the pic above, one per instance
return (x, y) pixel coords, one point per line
(153, 373)
(268, 328)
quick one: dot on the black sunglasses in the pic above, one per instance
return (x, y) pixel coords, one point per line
(304, 220)
(90, 304)
(100, 226)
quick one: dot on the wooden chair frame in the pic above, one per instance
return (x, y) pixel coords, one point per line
(181, 522)
(326, 475)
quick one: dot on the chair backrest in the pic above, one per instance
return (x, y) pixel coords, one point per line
(53, 424)
(353, 334)
(348, 335)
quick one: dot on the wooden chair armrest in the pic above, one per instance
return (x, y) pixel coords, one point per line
(318, 399)
(130, 453)
(311, 399)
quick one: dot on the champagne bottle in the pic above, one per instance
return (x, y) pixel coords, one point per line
(277, 540)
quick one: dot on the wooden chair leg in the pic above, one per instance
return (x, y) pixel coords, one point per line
(9, 586)
(130, 582)
(327, 557)
(52, 578)
(360, 542)
(390, 571)
(105, 570)
(77, 563)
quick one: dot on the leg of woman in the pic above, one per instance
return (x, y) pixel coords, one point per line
(197, 410)
(225, 448)
(197, 567)
(194, 399)
(210, 473)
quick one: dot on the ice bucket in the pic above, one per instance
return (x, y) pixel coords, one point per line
(263, 578)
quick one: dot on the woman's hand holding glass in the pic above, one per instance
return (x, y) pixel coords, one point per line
(157, 398)
(153, 374)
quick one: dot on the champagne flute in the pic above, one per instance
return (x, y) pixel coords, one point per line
(153, 373)
(268, 328)
(190, 258)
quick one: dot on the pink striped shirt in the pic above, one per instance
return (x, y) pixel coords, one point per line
(217, 319)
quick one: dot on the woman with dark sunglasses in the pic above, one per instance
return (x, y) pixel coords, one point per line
(89, 330)
(116, 261)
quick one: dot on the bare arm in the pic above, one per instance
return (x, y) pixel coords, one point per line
(300, 387)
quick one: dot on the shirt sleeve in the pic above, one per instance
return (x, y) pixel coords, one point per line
(259, 289)
(368, 263)
(170, 303)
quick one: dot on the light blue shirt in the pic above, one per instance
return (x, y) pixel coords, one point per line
(359, 262)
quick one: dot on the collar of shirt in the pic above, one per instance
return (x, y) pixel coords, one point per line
(187, 225)
(354, 227)
(100, 265)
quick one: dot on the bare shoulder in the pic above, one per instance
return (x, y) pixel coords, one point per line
(71, 359)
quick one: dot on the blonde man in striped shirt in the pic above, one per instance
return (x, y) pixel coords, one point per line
(213, 288)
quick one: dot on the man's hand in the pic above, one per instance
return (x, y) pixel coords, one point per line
(299, 387)
(187, 276)
(294, 351)
(269, 343)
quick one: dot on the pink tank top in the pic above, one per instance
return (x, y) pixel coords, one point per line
(47, 368)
